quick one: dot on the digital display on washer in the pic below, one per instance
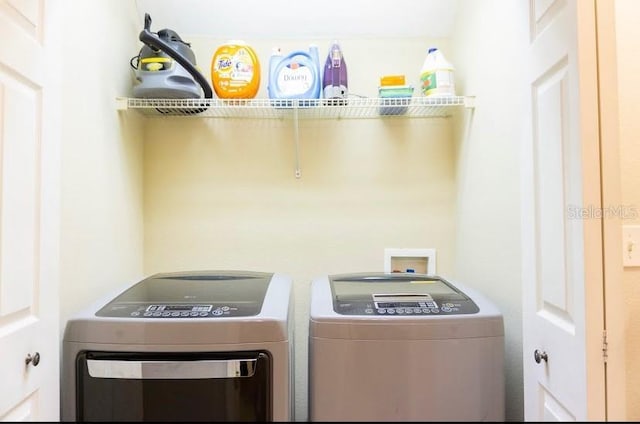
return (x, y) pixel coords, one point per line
(401, 301)
(196, 308)
(191, 295)
(401, 294)
(397, 304)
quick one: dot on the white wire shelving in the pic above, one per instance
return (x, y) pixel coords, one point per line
(351, 108)
(299, 109)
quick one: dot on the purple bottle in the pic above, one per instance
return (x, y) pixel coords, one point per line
(334, 79)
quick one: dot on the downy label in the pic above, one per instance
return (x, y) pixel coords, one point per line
(295, 79)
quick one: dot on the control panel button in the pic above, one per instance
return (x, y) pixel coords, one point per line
(382, 311)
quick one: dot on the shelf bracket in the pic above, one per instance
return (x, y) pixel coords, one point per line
(296, 136)
(470, 102)
(122, 103)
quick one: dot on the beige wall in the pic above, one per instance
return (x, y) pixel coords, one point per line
(489, 44)
(101, 211)
(628, 36)
(222, 194)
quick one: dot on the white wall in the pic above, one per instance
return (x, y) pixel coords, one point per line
(101, 229)
(488, 51)
(628, 43)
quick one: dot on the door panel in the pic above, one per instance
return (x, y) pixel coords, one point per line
(561, 248)
(553, 410)
(19, 192)
(27, 14)
(549, 104)
(24, 411)
(29, 187)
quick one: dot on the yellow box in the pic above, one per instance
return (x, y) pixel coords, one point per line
(392, 80)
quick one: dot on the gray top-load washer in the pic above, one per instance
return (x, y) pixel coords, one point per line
(183, 346)
(403, 347)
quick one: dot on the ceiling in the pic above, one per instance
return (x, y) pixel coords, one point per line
(302, 18)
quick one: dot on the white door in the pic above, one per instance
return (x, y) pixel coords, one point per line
(29, 203)
(562, 247)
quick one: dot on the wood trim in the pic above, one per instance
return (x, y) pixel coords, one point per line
(611, 196)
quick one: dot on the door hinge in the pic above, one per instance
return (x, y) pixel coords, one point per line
(605, 346)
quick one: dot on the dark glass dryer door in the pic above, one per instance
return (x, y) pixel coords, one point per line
(174, 386)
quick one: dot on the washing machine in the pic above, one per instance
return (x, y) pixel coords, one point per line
(183, 346)
(403, 347)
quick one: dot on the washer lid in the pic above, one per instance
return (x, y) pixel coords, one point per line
(122, 317)
(389, 306)
(398, 293)
(198, 294)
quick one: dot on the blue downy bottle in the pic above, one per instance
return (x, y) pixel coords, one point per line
(295, 76)
(334, 79)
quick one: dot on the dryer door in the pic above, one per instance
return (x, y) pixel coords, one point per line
(211, 386)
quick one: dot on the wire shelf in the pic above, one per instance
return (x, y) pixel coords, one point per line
(351, 108)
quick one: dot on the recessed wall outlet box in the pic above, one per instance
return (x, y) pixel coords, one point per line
(421, 261)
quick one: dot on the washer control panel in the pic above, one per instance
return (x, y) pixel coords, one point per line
(176, 310)
(427, 307)
(404, 304)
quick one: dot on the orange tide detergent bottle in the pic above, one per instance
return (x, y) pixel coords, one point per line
(235, 71)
